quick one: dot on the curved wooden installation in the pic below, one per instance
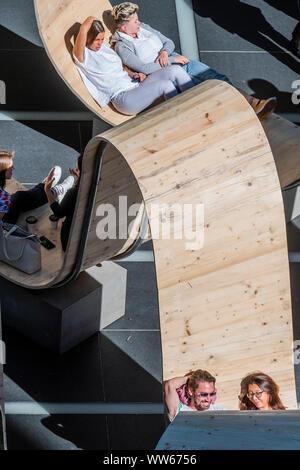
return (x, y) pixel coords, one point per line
(236, 286)
(225, 303)
(58, 22)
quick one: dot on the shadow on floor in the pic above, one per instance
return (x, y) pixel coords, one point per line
(249, 23)
(90, 372)
(289, 8)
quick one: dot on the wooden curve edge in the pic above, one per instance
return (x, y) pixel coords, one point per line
(233, 282)
(57, 23)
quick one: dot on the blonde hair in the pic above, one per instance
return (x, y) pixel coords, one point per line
(124, 12)
(5, 163)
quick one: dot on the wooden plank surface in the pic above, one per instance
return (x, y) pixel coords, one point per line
(233, 430)
(237, 285)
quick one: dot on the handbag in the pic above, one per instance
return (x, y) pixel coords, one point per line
(19, 248)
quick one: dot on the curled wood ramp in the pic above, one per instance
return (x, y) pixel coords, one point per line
(224, 306)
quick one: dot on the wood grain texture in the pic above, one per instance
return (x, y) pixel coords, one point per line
(225, 306)
(233, 430)
(237, 285)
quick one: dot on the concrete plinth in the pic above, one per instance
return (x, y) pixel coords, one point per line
(61, 318)
(113, 299)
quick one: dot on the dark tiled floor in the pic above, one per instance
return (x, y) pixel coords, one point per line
(32, 84)
(74, 134)
(146, 316)
(95, 371)
(135, 432)
(11, 41)
(250, 25)
(41, 145)
(75, 376)
(130, 363)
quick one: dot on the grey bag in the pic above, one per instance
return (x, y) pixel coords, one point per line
(19, 248)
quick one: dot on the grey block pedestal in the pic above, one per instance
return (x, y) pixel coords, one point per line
(63, 317)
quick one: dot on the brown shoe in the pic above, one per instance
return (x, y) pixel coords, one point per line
(265, 107)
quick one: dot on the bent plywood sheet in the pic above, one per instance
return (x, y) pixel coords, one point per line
(224, 306)
(58, 21)
(233, 430)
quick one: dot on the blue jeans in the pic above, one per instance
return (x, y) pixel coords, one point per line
(200, 72)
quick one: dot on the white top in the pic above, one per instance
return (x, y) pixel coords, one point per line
(147, 45)
(211, 408)
(103, 75)
(183, 407)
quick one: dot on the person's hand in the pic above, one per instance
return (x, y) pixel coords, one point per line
(74, 173)
(180, 59)
(89, 20)
(163, 59)
(139, 76)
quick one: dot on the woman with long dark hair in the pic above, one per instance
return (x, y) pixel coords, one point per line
(107, 81)
(259, 392)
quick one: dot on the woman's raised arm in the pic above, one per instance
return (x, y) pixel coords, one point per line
(80, 42)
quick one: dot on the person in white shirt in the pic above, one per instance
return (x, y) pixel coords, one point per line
(102, 72)
(200, 390)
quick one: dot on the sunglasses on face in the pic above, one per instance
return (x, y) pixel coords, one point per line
(205, 395)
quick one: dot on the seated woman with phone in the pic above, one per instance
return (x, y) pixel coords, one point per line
(12, 205)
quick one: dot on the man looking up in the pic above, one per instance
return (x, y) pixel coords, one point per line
(200, 392)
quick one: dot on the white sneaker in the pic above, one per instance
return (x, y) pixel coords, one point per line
(56, 175)
(60, 189)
